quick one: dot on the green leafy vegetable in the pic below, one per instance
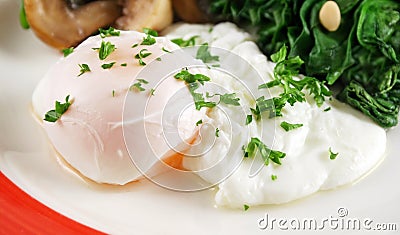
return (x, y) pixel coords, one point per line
(288, 127)
(246, 207)
(110, 32)
(67, 51)
(274, 177)
(199, 122)
(332, 155)
(257, 146)
(203, 53)
(363, 54)
(217, 132)
(60, 109)
(124, 64)
(84, 68)
(185, 43)
(106, 48)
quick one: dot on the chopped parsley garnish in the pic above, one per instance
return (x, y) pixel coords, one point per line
(84, 68)
(186, 76)
(148, 40)
(135, 45)
(109, 32)
(288, 126)
(108, 66)
(185, 43)
(249, 119)
(257, 146)
(332, 155)
(138, 85)
(204, 54)
(113, 93)
(152, 91)
(274, 177)
(245, 207)
(124, 64)
(22, 16)
(141, 55)
(199, 122)
(327, 109)
(165, 50)
(67, 51)
(151, 32)
(228, 98)
(217, 132)
(284, 72)
(60, 109)
(194, 81)
(158, 59)
(106, 48)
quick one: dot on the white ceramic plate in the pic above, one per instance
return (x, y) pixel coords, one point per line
(27, 159)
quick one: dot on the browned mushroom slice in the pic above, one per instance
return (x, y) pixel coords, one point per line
(139, 14)
(192, 11)
(60, 26)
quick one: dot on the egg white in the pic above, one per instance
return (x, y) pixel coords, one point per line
(307, 167)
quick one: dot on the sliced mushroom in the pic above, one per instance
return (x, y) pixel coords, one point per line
(192, 11)
(139, 14)
(60, 26)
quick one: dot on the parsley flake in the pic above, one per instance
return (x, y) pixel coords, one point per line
(194, 81)
(327, 109)
(108, 66)
(67, 51)
(199, 122)
(60, 109)
(274, 177)
(332, 155)
(106, 48)
(288, 127)
(138, 85)
(284, 72)
(204, 54)
(83, 69)
(245, 207)
(257, 146)
(135, 45)
(109, 32)
(141, 55)
(165, 50)
(185, 43)
(124, 64)
(249, 119)
(217, 132)
(151, 32)
(148, 40)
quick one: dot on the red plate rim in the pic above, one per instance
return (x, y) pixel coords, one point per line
(21, 213)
